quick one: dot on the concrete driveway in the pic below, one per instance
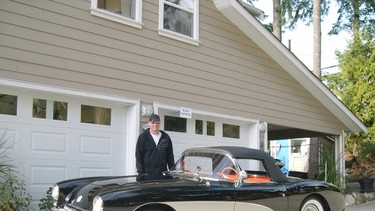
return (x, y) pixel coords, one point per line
(369, 206)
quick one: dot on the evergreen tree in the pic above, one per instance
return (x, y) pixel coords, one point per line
(354, 15)
(355, 86)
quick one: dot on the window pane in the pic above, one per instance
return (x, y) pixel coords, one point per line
(188, 4)
(296, 146)
(210, 128)
(251, 165)
(122, 7)
(95, 115)
(60, 110)
(8, 104)
(178, 20)
(176, 124)
(231, 131)
(39, 108)
(199, 127)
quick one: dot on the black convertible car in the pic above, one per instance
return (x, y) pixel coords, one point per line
(207, 178)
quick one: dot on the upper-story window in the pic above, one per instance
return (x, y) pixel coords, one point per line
(179, 19)
(123, 11)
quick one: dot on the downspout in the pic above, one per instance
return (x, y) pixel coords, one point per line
(340, 157)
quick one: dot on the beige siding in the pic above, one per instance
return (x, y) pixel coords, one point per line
(60, 43)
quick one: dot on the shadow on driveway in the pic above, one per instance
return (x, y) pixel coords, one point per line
(369, 206)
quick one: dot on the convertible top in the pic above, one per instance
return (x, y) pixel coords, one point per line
(246, 153)
(243, 152)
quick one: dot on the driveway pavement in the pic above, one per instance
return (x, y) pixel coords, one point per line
(369, 206)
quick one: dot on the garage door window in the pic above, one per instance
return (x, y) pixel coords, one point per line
(49, 109)
(175, 124)
(95, 115)
(199, 127)
(8, 104)
(210, 128)
(231, 131)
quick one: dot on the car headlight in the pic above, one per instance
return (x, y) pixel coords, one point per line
(97, 204)
(55, 192)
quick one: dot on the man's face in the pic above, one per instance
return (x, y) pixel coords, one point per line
(154, 125)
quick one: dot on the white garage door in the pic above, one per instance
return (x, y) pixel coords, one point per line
(56, 137)
(207, 130)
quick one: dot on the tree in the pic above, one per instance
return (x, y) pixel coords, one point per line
(354, 15)
(317, 52)
(355, 86)
(277, 24)
(307, 11)
(286, 13)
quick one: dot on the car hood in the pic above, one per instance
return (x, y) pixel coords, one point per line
(129, 192)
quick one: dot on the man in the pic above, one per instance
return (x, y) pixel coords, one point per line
(154, 151)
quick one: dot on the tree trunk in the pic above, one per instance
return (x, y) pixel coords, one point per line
(317, 54)
(356, 18)
(276, 19)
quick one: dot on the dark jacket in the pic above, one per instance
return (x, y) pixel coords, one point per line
(153, 159)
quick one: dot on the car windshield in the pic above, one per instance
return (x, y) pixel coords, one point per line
(205, 165)
(217, 166)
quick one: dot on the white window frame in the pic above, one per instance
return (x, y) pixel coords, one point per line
(174, 35)
(136, 22)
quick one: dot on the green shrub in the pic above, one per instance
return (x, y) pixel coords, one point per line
(4, 159)
(46, 202)
(328, 170)
(13, 194)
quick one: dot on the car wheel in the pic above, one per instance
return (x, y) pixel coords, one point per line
(312, 204)
(158, 207)
(152, 209)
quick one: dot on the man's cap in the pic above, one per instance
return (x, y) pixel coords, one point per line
(154, 117)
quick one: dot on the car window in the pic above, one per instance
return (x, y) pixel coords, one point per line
(255, 170)
(198, 164)
(210, 165)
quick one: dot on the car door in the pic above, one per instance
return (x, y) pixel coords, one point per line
(269, 195)
(210, 196)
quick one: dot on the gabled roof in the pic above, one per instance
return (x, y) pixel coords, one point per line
(255, 30)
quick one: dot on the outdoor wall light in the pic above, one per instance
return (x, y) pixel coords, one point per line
(147, 110)
(262, 126)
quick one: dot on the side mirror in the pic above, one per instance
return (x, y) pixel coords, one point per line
(243, 175)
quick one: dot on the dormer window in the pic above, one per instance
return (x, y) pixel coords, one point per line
(123, 11)
(178, 19)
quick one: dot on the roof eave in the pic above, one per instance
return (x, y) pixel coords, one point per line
(249, 25)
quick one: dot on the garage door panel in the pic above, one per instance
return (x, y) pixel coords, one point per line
(10, 135)
(94, 171)
(46, 174)
(49, 142)
(43, 174)
(102, 148)
(40, 173)
(96, 146)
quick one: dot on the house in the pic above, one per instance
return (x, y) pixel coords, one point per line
(79, 78)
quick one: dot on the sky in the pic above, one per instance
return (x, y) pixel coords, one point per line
(301, 39)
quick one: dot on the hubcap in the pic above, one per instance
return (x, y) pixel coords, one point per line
(311, 207)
